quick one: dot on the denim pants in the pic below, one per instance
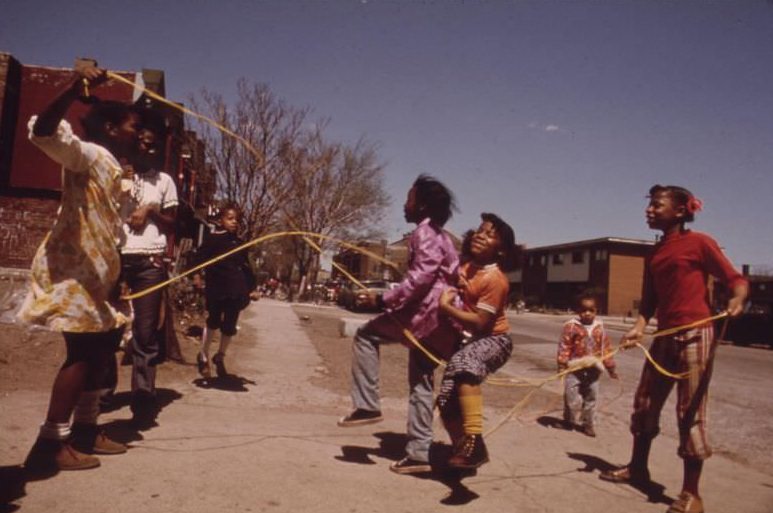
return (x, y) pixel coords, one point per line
(141, 272)
(365, 382)
(581, 388)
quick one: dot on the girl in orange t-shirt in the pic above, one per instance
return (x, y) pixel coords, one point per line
(483, 290)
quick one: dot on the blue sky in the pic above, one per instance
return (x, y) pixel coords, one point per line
(557, 115)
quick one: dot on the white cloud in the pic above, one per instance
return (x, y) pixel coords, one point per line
(552, 128)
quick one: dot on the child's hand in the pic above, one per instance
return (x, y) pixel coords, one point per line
(735, 306)
(613, 373)
(630, 339)
(254, 295)
(88, 76)
(139, 218)
(448, 296)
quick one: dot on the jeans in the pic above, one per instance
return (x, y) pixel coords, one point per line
(365, 382)
(141, 272)
(581, 388)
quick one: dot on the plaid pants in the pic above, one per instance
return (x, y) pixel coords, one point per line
(689, 351)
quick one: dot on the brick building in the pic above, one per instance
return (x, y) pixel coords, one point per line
(30, 183)
(611, 268)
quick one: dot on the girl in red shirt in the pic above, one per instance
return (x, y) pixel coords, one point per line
(676, 289)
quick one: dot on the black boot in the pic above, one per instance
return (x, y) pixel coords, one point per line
(470, 452)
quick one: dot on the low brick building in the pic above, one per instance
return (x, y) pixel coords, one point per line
(611, 268)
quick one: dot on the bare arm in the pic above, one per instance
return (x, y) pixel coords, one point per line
(479, 321)
(49, 119)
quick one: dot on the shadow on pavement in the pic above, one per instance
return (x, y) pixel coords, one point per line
(654, 491)
(128, 430)
(392, 447)
(12, 484)
(554, 422)
(228, 383)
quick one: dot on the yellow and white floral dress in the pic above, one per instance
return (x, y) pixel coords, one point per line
(75, 271)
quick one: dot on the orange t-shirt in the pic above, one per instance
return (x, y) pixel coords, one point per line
(485, 288)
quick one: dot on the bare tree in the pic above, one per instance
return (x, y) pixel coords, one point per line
(249, 168)
(337, 191)
(283, 173)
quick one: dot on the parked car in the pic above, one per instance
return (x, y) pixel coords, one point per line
(352, 297)
(753, 327)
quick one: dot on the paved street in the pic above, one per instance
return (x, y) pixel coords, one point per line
(269, 442)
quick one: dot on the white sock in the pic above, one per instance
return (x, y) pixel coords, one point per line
(225, 340)
(206, 341)
(87, 409)
(55, 430)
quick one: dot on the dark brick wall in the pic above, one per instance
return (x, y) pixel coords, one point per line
(24, 223)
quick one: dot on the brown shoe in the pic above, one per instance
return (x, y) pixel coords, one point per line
(589, 431)
(70, 459)
(90, 439)
(626, 475)
(686, 503)
(48, 456)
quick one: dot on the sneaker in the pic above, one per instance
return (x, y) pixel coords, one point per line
(48, 456)
(203, 365)
(90, 439)
(410, 466)
(589, 431)
(686, 503)
(360, 417)
(219, 365)
(471, 453)
(626, 474)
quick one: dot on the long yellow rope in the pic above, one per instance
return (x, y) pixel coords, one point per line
(354, 280)
(594, 361)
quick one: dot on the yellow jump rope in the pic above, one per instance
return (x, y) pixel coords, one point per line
(307, 236)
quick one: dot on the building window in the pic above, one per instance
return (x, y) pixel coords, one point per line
(601, 254)
(578, 257)
(558, 259)
(544, 260)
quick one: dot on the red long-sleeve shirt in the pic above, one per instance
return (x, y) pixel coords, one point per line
(676, 278)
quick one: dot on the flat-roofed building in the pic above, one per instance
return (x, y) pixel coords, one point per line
(611, 268)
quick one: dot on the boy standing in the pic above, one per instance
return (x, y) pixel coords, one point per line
(583, 336)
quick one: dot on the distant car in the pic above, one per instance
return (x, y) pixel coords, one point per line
(352, 297)
(753, 327)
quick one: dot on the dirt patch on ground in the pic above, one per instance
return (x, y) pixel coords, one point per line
(30, 357)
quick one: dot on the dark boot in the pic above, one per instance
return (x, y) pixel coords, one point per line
(470, 452)
(219, 365)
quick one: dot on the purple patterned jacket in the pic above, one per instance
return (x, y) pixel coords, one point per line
(432, 267)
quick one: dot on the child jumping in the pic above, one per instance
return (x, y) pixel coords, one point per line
(413, 304)
(582, 337)
(230, 285)
(675, 286)
(483, 289)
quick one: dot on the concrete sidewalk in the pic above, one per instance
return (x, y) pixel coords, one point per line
(275, 446)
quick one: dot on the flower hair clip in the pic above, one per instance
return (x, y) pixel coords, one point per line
(694, 205)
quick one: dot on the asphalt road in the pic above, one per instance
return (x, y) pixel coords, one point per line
(740, 408)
